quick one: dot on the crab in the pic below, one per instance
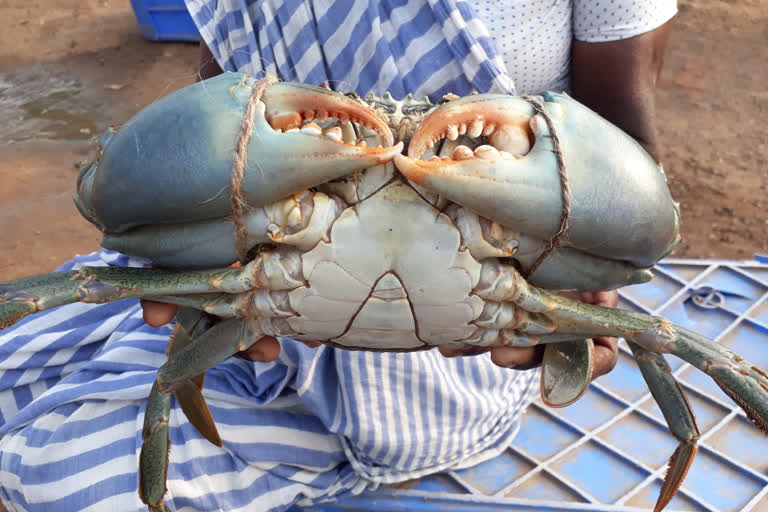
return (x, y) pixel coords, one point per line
(378, 224)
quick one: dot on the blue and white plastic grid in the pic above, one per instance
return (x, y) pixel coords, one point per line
(609, 450)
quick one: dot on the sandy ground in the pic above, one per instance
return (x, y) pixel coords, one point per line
(70, 68)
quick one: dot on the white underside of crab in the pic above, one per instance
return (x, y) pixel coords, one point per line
(393, 275)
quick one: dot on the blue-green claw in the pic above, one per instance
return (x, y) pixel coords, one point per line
(172, 162)
(614, 183)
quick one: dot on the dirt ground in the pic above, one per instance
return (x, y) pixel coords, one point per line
(69, 68)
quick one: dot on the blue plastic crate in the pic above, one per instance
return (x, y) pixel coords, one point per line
(609, 450)
(165, 20)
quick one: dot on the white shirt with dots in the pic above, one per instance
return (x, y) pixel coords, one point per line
(534, 36)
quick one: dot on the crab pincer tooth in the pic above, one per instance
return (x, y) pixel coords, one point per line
(512, 139)
(613, 182)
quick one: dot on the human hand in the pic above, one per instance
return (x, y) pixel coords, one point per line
(524, 358)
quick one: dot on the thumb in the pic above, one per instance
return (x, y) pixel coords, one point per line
(265, 350)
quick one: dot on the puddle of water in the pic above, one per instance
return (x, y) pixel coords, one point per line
(40, 103)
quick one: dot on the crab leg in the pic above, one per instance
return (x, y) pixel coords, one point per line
(566, 368)
(191, 324)
(301, 220)
(254, 303)
(153, 460)
(208, 347)
(566, 371)
(746, 384)
(216, 345)
(678, 414)
(279, 270)
(557, 318)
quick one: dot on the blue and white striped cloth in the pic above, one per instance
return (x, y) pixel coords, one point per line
(315, 423)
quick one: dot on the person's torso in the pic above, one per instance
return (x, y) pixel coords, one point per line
(533, 38)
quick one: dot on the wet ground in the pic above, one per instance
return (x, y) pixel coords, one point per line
(69, 69)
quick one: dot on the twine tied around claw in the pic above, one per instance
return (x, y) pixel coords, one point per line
(559, 239)
(240, 160)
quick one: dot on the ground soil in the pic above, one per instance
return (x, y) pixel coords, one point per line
(69, 68)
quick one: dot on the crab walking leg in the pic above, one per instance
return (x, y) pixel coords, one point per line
(254, 303)
(278, 270)
(191, 324)
(566, 367)
(155, 448)
(153, 460)
(211, 347)
(300, 221)
(678, 414)
(216, 345)
(566, 371)
(746, 384)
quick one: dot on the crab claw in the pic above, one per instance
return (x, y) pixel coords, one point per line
(172, 162)
(514, 181)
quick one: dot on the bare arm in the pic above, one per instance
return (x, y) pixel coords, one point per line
(617, 79)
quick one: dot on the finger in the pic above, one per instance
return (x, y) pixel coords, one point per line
(606, 299)
(605, 356)
(580, 296)
(265, 350)
(158, 314)
(518, 358)
(450, 352)
(312, 344)
(467, 350)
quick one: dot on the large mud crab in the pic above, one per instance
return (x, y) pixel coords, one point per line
(347, 240)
